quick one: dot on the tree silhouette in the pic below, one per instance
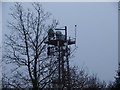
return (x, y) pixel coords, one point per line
(117, 81)
(81, 79)
(25, 50)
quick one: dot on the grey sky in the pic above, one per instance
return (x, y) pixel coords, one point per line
(97, 33)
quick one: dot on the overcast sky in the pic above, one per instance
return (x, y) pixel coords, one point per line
(97, 33)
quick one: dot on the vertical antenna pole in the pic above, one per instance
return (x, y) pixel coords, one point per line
(75, 34)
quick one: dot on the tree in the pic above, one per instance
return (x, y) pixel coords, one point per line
(82, 80)
(79, 78)
(116, 83)
(95, 83)
(25, 49)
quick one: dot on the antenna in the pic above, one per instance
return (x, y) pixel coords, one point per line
(75, 34)
(59, 45)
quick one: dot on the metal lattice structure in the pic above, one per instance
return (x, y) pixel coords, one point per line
(58, 45)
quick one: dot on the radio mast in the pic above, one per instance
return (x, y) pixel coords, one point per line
(58, 45)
